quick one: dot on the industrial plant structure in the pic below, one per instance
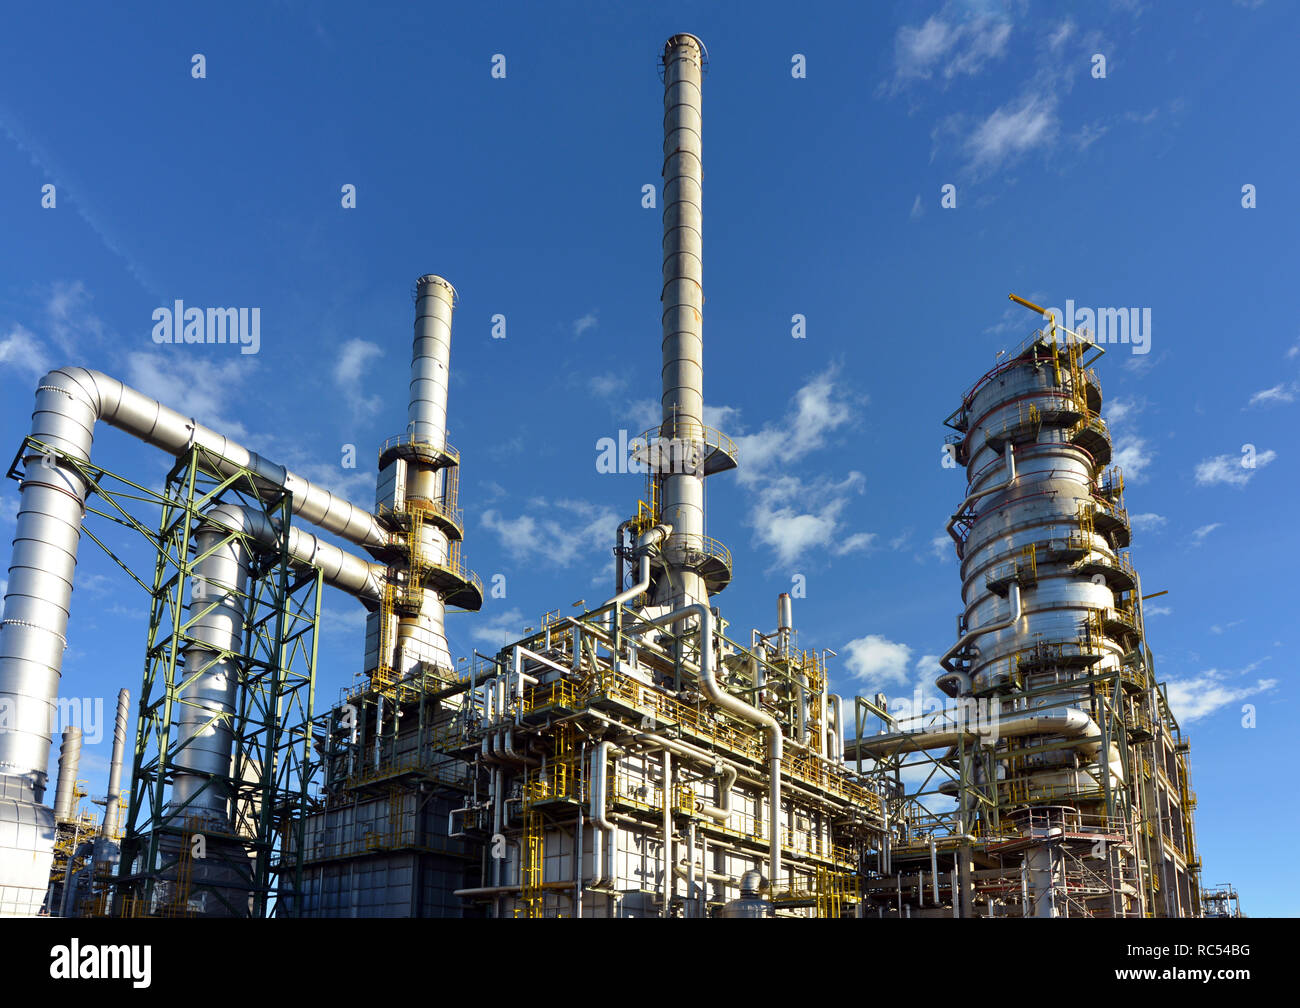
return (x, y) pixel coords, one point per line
(640, 758)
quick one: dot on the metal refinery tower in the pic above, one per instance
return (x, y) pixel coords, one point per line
(635, 759)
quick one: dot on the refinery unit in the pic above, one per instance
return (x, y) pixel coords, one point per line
(646, 757)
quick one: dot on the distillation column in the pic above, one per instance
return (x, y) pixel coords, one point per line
(1051, 603)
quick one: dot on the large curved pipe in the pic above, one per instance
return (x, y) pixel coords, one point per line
(597, 811)
(1009, 464)
(69, 402)
(1069, 722)
(1011, 620)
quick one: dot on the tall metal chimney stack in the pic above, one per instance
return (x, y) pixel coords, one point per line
(684, 442)
(418, 482)
(69, 765)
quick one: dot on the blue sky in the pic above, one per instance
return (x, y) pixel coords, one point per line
(822, 198)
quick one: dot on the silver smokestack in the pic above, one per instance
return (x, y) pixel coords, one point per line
(69, 763)
(112, 802)
(422, 638)
(682, 505)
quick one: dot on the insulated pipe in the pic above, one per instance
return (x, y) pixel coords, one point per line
(600, 762)
(343, 570)
(202, 719)
(837, 707)
(727, 771)
(646, 543)
(682, 500)
(1070, 722)
(670, 882)
(1013, 594)
(738, 708)
(69, 762)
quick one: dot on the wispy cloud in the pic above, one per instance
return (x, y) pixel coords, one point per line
(1148, 521)
(349, 377)
(563, 533)
(498, 628)
(1132, 453)
(1200, 696)
(1282, 393)
(946, 47)
(1198, 536)
(1232, 470)
(25, 353)
(1013, 130)
(790, 514)
(586, 323)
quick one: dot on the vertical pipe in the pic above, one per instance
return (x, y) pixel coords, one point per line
(670, 886)
(205, 735)
(69, 762)
(682, 504)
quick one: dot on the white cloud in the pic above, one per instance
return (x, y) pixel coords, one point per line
(948, 48)
(563, 532)
(1147, 522)
(1199, 535)
(918, 208)
(1058, 38)
(1157, 610)
(856, 542)
(1013, 130)
(586, 323)
(25, 353)
(785, 518)
(941, 547)
(1231, 469)
(1199, 697)
(1131, 452)
(605, 386)
(876, 660)
(349, 375)
(499, 628)
(819, 409)
(1281, 393)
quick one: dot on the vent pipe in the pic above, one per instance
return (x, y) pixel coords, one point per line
(69, 762)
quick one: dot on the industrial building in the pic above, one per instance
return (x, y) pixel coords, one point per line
(646, 757)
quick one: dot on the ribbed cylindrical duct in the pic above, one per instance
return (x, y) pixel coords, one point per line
(435, 299)
(682, 429)
(112, 802)
(202, 719)
(69, 763)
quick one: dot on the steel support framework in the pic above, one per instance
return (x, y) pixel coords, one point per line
(271, 761)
